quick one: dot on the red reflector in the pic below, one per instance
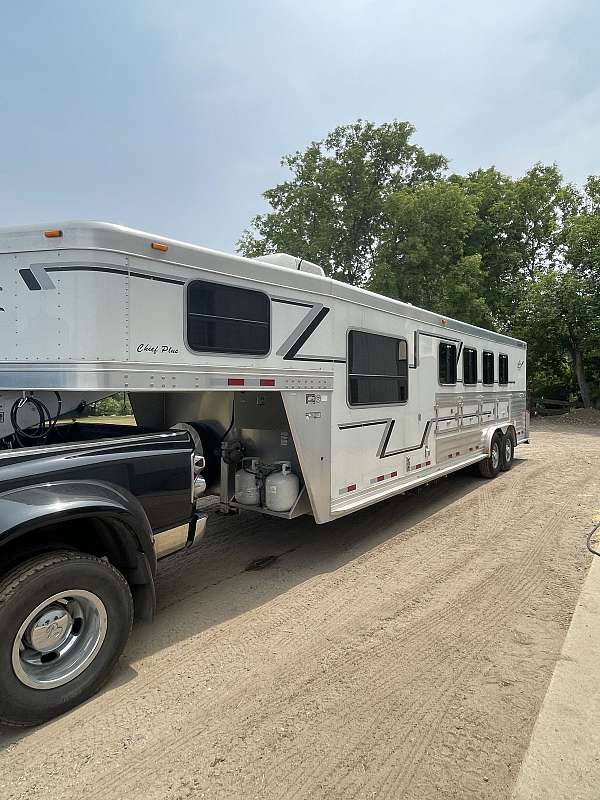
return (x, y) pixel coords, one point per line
(393, 474)
(380, 477)
(427, 463)
(267, 382)
(235, 381)
(449, 455)
(418, 466)
(352, 487)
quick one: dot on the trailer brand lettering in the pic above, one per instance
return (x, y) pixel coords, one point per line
(155, 349)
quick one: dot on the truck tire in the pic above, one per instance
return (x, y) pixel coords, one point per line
(65, 618)
(507, 452)
(490, 467)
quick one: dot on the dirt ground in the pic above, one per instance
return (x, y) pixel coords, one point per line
(402, 652)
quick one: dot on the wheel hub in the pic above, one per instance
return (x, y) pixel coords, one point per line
(51, 629)
(495, 456)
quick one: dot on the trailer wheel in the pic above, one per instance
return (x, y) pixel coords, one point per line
(65, 618)
(490, 467)
(507, 452)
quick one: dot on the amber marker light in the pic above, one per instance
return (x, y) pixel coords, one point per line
(55, 234)
(159, 246)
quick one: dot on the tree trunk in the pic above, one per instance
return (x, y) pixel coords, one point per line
(580, 375)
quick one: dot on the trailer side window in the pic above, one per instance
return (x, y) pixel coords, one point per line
(503, 369)
(469, 366)
(227, 319)
(447, 363)
(377, 369)
(488, 367)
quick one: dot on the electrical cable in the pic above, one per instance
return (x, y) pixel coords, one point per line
(46, 422)
(222, 439)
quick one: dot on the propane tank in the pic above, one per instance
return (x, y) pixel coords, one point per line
(246, 484)
(281, 488)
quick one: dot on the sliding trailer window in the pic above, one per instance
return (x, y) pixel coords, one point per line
(469, 366)
(488, 367)
(377, 369)
(227, 319)
(502, 369)
(447, 364)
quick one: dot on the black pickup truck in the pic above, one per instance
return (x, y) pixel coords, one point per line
(83, 520)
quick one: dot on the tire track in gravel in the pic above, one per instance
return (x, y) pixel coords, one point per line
(520, 585)
(488, 609)
(521, 590)
(180, 742)
(504, 505)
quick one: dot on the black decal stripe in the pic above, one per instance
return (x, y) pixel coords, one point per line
(386, 438)
(30, 280)
(407, 449)
(291, 353)
(321, 359)
(306, 333)
(117, 271)
(291, 302)
(348, 425)
(389, 423)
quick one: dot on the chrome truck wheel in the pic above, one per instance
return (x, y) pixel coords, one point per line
(59, 639)
(65, 618)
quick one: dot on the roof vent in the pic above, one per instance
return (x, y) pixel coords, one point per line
(292, 262)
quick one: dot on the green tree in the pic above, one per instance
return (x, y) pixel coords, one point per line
(114, 405)
(331, 210)
(582, 231)
(560, 319)
(421, 256)
(518, 232)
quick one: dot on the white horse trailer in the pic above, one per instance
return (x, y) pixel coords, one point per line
(267, 361)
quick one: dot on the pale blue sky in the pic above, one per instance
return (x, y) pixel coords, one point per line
(172, 116)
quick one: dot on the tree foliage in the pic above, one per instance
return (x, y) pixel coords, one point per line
(331, 211)
(518, 255)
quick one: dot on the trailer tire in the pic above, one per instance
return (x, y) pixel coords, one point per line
(507, 452)
(65, 618)
(490, 467)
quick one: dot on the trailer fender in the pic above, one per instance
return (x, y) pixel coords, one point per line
(488, 434)
(31, 514)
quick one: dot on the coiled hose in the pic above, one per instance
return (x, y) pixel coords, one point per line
(37, 432)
